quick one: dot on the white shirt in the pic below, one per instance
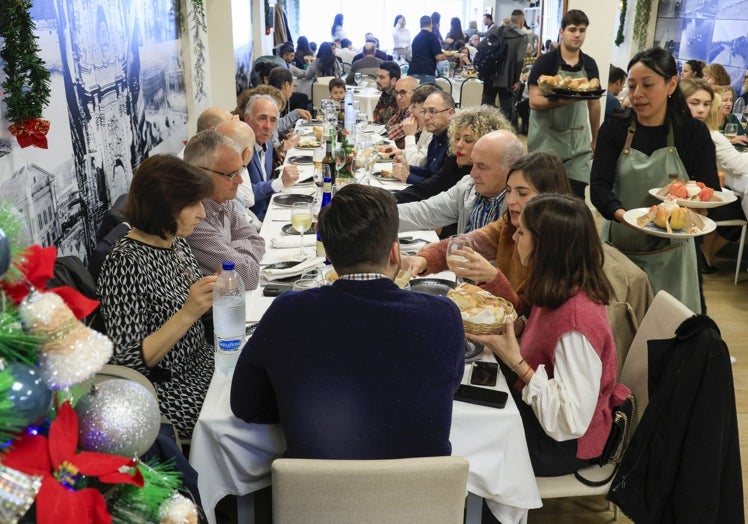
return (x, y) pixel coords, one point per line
(566, 403)
(416, 153)
(401, 37)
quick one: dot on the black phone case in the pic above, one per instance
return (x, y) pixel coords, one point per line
(273, 290)
(484, 373)
(482, 396)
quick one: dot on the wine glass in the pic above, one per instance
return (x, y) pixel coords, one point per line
(357, 78)
(321, 172)
(731, 131)
(456, 260)
(301, 220)
(362, 169)
(338, 153)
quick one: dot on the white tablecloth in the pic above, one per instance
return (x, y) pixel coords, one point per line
(368, 99)
(234, 458)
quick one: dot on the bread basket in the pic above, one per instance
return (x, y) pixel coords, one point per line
(472, 299)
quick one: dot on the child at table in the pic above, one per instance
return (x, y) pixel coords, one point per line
(564, 367)
(337, 89)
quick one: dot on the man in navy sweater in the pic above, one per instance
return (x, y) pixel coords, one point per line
(360, 369)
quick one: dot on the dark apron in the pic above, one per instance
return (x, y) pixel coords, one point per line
(565, 130)
(670, 264)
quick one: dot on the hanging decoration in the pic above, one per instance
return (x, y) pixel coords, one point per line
(199, 28)
(27, 84)
(641, 22)
(621, 22)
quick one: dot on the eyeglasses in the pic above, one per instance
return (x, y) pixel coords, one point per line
(229, 176)
(402, 93)
(432, 112)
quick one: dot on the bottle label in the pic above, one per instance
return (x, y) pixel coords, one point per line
(229, 345)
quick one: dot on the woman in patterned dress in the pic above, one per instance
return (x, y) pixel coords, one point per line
(152, 296)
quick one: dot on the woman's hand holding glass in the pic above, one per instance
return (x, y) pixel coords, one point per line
(477, 268)
(200, 298)
(459, 248)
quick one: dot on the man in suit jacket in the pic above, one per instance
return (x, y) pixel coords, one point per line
(262, 115)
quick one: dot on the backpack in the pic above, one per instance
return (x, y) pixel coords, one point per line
(489, 60)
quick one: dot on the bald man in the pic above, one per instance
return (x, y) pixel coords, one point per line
(476, 200)
(212, 117)
(404, 88)
(241, 133)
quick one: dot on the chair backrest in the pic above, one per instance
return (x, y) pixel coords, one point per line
(445, 84)
(369, 71)
(663, 317)
(113, 371)
(320, 90)
(415, 490)
(471, 93)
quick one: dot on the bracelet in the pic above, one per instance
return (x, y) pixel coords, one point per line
(525, 373)
(517, 365)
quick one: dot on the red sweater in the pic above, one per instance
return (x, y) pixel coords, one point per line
(538, 343)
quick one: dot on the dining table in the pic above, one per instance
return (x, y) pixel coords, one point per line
(233, 457)
(367, 97)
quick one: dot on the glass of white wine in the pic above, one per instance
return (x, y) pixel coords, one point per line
(457, 246)
(301, 220)
(731, 131)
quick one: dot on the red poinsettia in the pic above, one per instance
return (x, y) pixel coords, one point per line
(37, 264)
(56, 460)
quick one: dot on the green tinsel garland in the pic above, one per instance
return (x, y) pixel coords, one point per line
(641, 21)
(621, 22)
(199, 28)
(27, 85)
(133, 505)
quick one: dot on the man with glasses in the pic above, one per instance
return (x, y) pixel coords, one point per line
(438, 110)
(225, 233)
(262, 115)
(403, 91)
(387, 76)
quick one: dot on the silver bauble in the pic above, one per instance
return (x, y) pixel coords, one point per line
(119, 417)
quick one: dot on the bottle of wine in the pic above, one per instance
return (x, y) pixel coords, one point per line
(326, 197)
(329, 159)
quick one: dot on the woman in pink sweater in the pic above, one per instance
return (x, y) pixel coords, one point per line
(564, 367)
(533, 174)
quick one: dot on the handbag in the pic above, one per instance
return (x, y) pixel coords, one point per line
(617, 443)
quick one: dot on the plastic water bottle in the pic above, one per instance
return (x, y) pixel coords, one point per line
(350, 113)
(229, 314)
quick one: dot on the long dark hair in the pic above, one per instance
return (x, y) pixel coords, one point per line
(544, 171)
(455, 29)
(302, 48)
(327, 62)
(337, 22)
(567, 255)
(662, 62)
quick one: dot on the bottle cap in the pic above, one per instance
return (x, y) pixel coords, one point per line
(228, 265)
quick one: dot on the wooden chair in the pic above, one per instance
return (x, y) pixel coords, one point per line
(428, 490)
(662, 318)
(471, 93)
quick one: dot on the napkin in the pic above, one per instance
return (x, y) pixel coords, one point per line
(298, 269)
(293, 241)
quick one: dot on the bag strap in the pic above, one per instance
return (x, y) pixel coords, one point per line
(596, 483)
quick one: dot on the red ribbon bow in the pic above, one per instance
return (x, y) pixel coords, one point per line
(31, 132)
(37, 264)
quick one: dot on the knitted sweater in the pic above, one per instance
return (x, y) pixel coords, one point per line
(538, 345)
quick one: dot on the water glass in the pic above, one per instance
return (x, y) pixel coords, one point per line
(357, 78)
(362, 166)
(306, 283)
(458, 244)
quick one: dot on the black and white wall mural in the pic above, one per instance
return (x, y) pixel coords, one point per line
(713, 31)
(118, 95)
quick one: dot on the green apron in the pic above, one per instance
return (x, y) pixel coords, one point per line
(565, 130)
(670, 264)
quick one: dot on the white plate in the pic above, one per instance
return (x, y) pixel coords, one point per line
(727, 198)
(631, 215)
